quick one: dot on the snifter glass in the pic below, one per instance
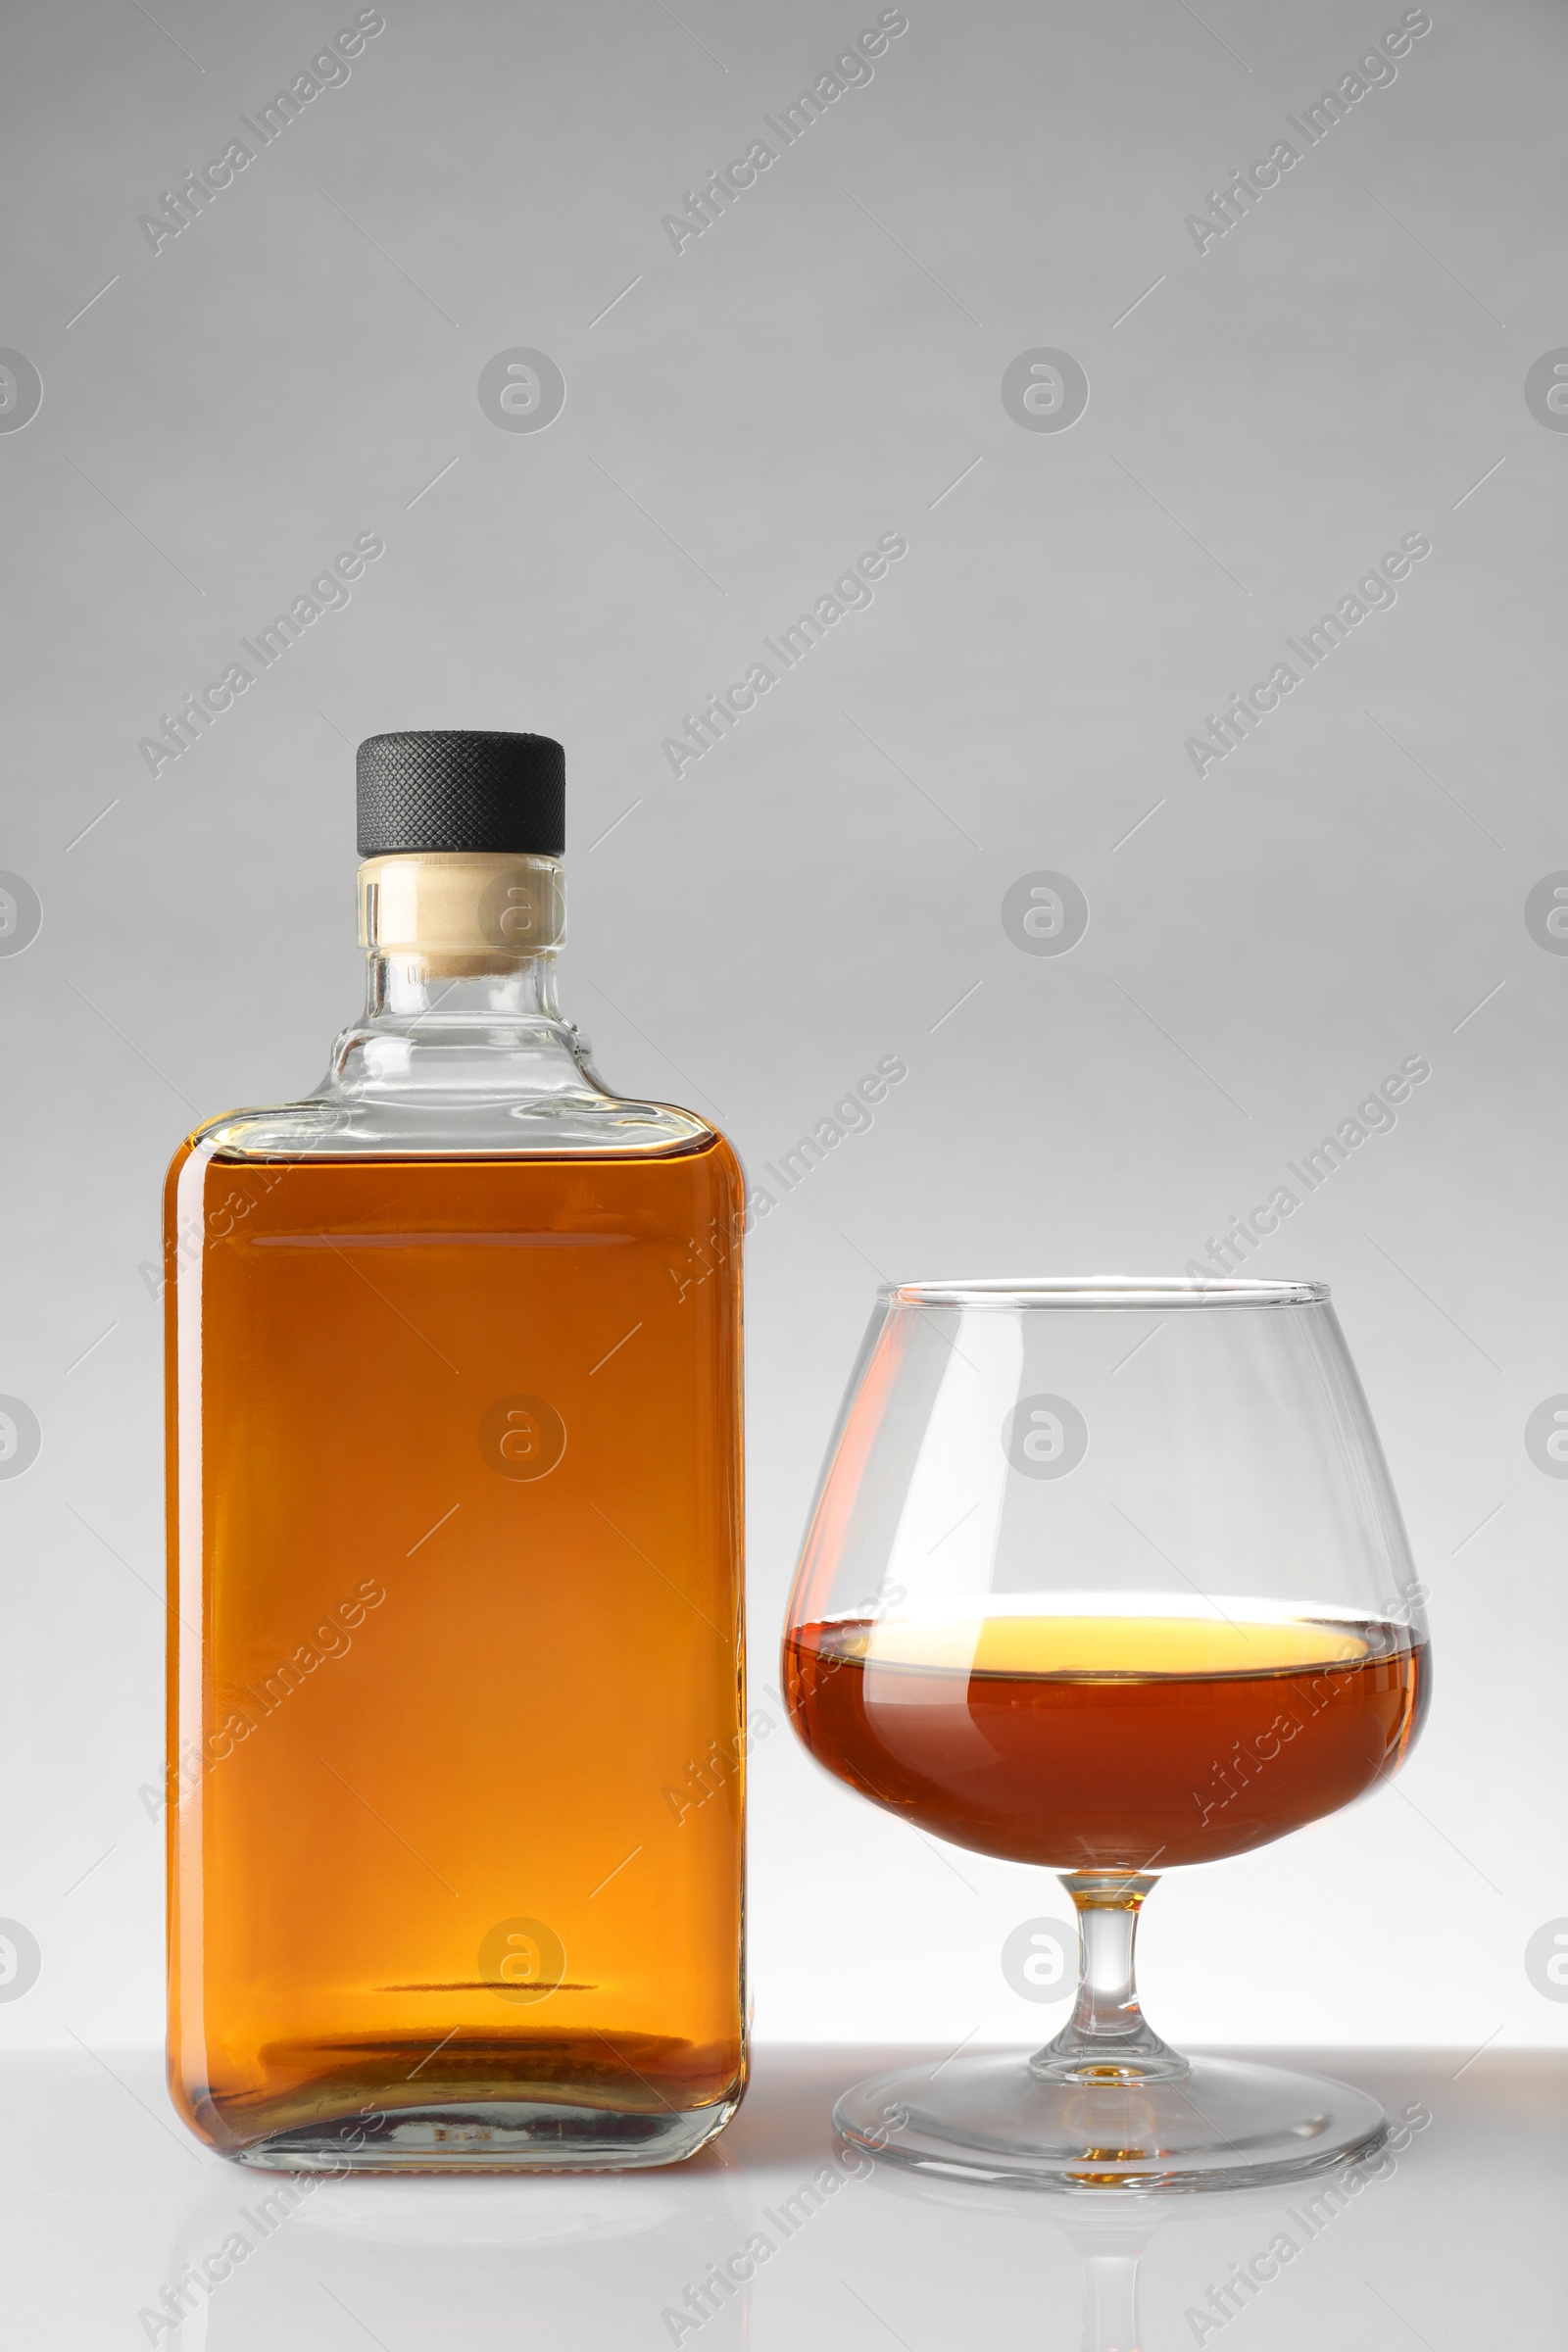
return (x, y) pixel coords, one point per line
(1107, 1576)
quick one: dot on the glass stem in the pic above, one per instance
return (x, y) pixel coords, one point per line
(1107, 2039)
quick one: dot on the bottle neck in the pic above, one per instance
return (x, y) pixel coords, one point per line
(400, 987)
(455, 936)
(461, 949)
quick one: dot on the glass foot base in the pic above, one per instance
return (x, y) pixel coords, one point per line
(495, 2137)
(1223, 2125)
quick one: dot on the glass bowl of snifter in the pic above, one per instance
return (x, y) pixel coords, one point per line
(1106, 1576)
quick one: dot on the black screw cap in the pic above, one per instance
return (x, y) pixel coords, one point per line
(461, 789)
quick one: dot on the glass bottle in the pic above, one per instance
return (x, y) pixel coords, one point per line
(454, 1427)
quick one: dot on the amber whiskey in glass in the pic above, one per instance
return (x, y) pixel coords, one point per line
(455, 1540)
(1092, 1743)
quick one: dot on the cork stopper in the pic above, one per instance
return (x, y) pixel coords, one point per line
(461, 912)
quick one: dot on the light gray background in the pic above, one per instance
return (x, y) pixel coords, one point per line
(825, 887)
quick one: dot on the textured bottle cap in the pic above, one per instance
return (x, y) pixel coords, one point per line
(461, 789)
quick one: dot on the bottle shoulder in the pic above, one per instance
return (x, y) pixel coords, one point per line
(560, 1126)
(464, 1086)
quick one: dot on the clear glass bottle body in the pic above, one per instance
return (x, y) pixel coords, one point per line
(457, 1705)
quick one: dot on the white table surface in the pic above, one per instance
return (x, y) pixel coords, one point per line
(105, 2198)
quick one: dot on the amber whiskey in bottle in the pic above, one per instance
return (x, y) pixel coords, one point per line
(454, 1428)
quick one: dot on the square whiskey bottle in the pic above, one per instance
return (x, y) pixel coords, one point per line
(454, 1436)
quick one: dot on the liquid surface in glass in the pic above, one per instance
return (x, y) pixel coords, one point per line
(1083, 1741)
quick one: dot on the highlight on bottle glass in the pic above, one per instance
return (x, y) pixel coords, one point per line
(1107, 1576)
